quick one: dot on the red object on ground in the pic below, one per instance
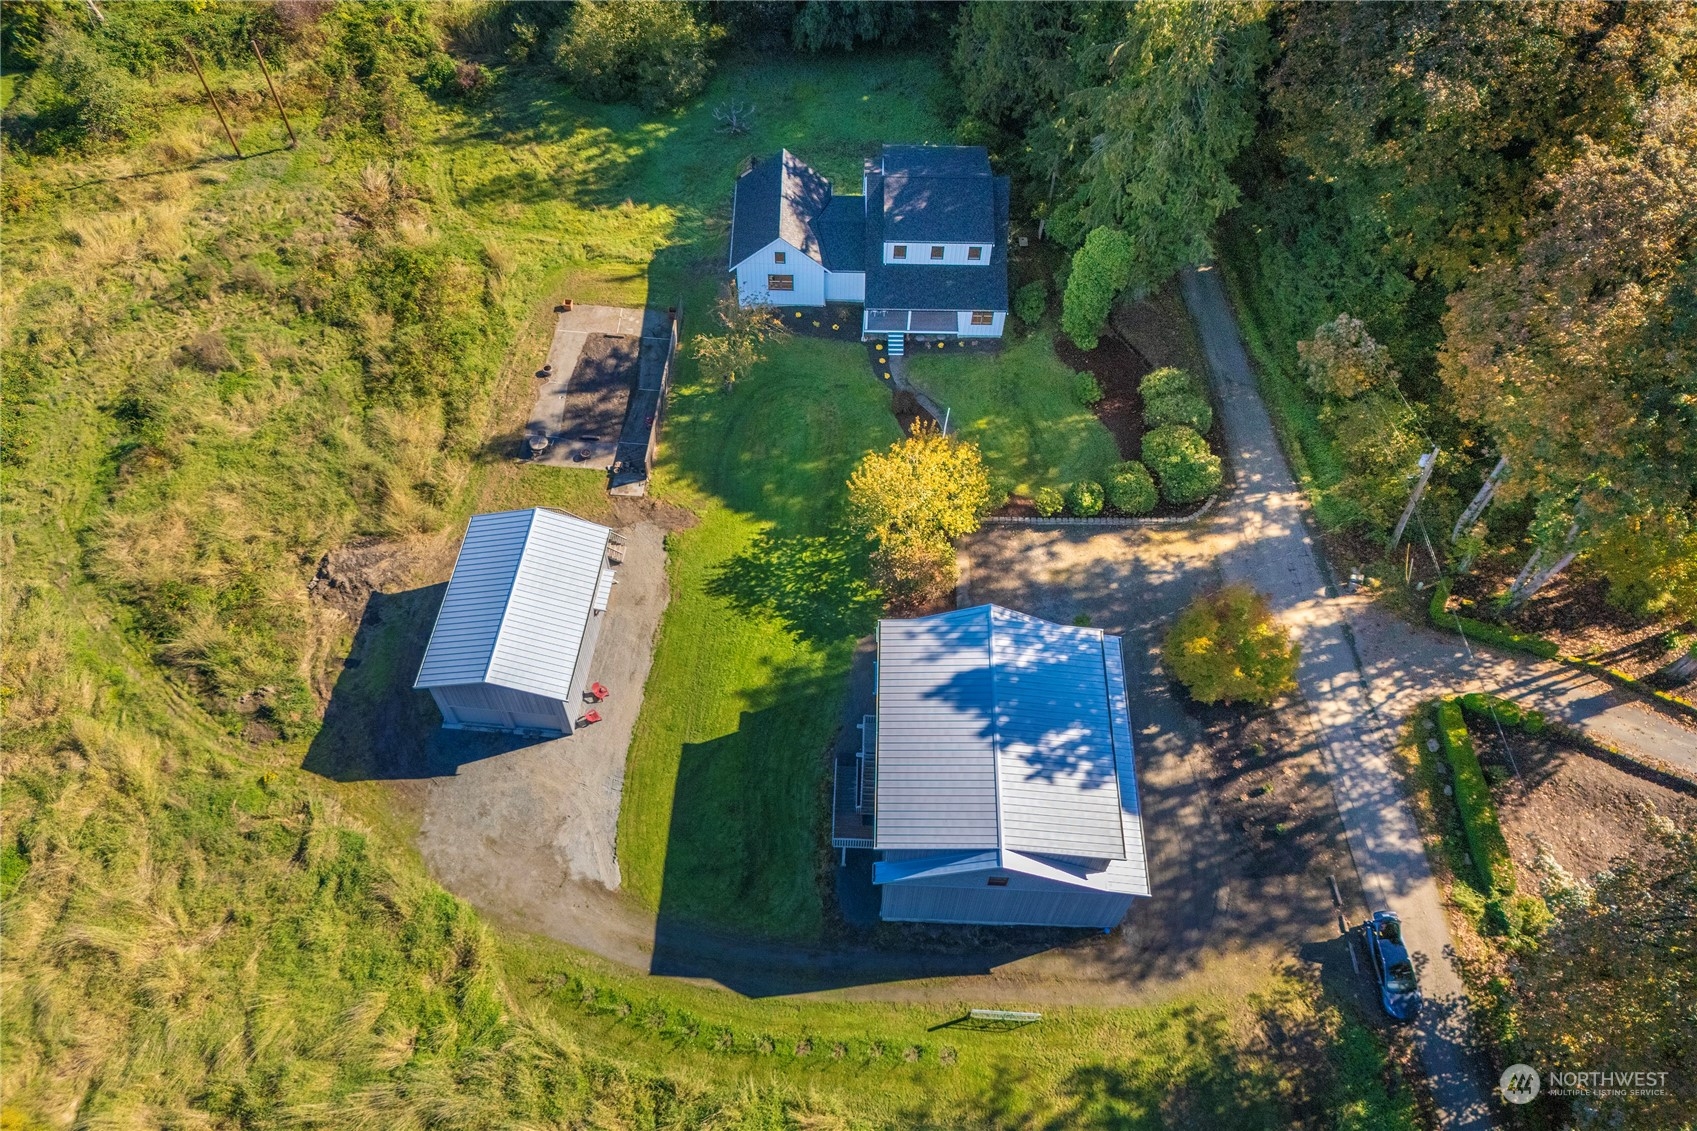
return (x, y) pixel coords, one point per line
(599, 690)
(589, 717)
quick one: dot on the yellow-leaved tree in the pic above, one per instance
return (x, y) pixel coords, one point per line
(912, 502)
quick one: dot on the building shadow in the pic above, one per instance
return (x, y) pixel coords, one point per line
(376, 727)
(727, 862)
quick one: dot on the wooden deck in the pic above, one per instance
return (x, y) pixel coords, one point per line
(853, 789)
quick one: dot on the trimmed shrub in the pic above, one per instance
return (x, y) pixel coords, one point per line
(1031, 301)
(1049, 502)
(1191, 411)
(1087, 389)
(1130, 489)
(1085, 499)
(1179, 458)
(1226, 646)
(1473, 798)
(1173, 396)
(1100, 270)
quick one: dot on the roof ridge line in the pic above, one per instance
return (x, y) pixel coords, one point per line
(507, 602)
(1113, 743)
(995, 731)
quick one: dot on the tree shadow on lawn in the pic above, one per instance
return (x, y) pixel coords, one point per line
(376, 727)
(814, 585)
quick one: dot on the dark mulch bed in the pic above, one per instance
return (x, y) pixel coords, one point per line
(1117, 368)
(600, 388)
(838, 321)
(908, 411)
(1574, 611)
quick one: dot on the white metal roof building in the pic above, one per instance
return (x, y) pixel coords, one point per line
(1003, 786)
(513, 641)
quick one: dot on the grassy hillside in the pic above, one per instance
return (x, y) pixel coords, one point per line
(216, 371)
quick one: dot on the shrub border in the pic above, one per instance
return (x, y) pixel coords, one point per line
(1485, 840)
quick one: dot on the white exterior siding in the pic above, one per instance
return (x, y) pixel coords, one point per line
(808, 274)
(954, 254)
(845, 286)
(481, 706)
(968, 330)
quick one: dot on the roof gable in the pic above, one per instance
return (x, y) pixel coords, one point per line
(518, 603)
(780, 198)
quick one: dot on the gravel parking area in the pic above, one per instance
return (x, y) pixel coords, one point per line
(518, 835)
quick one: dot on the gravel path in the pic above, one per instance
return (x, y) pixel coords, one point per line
(1259, 535)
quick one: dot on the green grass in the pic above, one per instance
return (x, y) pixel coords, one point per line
(1022, 408)
(1167, 1065)
(722, 803)
(197, 931)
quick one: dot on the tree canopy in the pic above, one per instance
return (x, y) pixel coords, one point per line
(912, 501)
(1227, 647)
(1578, 356)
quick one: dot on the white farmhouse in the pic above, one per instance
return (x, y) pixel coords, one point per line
(923, 249)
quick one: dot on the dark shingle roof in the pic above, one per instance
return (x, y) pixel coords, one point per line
(921, 286)
(842, 233)
(780, 198)
(937, 192)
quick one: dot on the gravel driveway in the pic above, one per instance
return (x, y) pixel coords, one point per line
(515, 833)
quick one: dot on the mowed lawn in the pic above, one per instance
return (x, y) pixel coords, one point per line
(722, 801)
(1022, 408)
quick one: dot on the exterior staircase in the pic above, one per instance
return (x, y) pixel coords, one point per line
(897, 345)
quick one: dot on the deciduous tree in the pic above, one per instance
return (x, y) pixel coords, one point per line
(1612, 981)
(1227, 647)
(913, 501)
(1579, 355)
(725, 357)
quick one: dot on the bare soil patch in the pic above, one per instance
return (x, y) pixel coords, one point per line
(1271, 793)
(1589, 813)
(593, 408)
(1158, 328)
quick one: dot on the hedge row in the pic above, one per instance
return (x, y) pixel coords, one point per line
(1510, 714)
(1473, 798)
(1484, 632)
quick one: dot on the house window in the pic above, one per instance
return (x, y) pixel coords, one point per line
(998, 881)
(983, 318)
(777, 257)
(974, 253)
(899, 251)
(936, 251)
(780, 282)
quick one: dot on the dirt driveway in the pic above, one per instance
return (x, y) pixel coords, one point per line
(512, 833)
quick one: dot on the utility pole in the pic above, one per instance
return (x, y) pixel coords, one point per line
(266, 71)
(1428, 464)
(212, 98)
(1480, 500)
